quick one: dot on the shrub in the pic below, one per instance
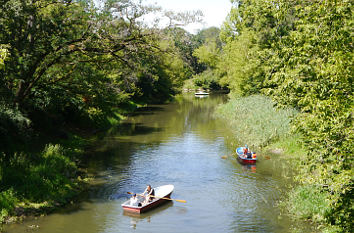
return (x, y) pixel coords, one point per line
(8, 201)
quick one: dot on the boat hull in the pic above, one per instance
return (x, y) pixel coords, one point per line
(201, 93)
(155, 203)
(247, 161)
(146, 208)
(242, 159)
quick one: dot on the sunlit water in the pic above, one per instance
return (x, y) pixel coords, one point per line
(181, 144)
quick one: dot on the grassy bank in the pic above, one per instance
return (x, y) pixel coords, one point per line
(36, 183)
(310, 200)
(255, 121)
(40, 170)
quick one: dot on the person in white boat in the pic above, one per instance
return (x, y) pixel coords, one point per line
(134, 201)
(147, 193)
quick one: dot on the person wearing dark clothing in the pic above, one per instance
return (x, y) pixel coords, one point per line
(148, 193)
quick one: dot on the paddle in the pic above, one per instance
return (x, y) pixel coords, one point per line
(183, 201)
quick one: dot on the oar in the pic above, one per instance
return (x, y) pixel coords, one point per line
(183, 201)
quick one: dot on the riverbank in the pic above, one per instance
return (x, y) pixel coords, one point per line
(309, 201)
(36, 182)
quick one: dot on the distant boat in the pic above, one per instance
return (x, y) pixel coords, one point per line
(164, 191)
(201, 93)
(249, 158)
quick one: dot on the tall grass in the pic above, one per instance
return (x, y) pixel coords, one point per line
(255, 121)
(308, 202)
(43, 180)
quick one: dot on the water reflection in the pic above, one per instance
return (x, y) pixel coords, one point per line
(249, 167)
(201, 96)
(135, 218)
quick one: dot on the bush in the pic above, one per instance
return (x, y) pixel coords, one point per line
(8, 201)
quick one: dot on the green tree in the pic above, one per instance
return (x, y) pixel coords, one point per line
(314, 73)
(250, 31)
(300, 53)
(69, 55)
(208, 54)
(241, 65)
(185, 43)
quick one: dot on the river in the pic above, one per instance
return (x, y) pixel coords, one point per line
(180, 143)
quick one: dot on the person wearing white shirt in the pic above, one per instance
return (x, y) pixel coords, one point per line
(134, 200)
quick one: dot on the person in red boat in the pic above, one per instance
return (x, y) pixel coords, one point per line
(245, 151)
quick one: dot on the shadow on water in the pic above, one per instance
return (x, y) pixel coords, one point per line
(131, 129)
(148, 110)
(70, 209)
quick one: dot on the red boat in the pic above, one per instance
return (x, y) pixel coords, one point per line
(161, 193)
(249, 158)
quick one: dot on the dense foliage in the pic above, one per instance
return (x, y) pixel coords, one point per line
(69, 62)
(206, 52)
(72, 66)
(300, 53)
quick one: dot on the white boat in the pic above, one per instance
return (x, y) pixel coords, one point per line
(201, 93)
(162, 194)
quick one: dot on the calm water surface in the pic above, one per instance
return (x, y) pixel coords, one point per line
(180, 143)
